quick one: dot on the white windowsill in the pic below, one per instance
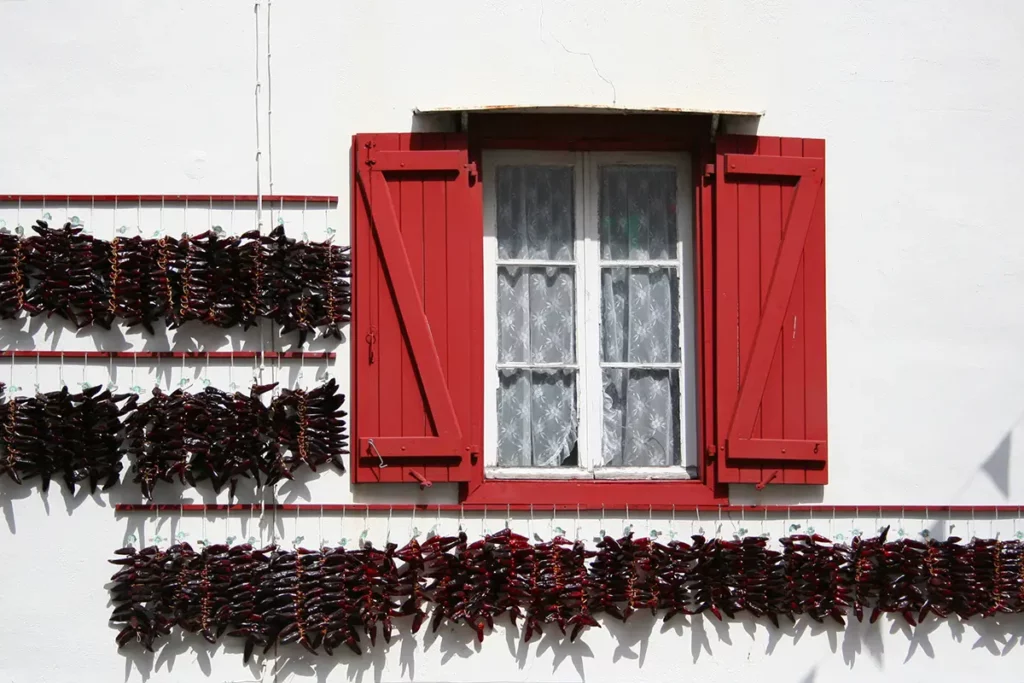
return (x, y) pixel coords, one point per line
(603, 474)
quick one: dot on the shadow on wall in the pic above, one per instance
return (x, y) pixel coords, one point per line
(707, 638)
(289, 491)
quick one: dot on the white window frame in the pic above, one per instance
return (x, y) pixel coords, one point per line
(587, 265)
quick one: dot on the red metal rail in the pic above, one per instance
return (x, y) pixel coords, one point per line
(156, 198)
(268, 355)
(519, 507)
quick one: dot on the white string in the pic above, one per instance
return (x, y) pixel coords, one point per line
(10, 381)
(205, 538)
(227, 520)
(295, 538)
(62, 383)
(270, 128)
(387, 536)
(256, 94)
(323, 541)
(85, 370)
(508, 515)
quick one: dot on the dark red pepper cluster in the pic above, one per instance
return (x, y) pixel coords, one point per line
(77, 436)
(209, 278)
(322, 599)
(219, 437)
(210, 436)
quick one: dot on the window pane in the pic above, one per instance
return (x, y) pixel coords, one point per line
(535, 212)
(537, 418)
(536, 315)
(639, 315)
(641, 418)
(638, 212)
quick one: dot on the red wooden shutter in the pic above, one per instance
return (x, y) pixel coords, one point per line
(770, 386)
(417, 358)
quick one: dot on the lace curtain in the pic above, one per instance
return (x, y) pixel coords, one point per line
(538, 415)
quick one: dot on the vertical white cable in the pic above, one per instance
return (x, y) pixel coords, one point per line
(270, 112)
(259, 154)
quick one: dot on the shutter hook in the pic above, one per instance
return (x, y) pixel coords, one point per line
(373, 448)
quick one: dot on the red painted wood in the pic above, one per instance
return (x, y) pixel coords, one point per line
(772, 219)
(579, 131)
(790, 511)
(748, 231)
(268, 355)
(778, 450)
(412, 404)
(793, 349)
(767, 193)
(815, 365)
(390, 342)
(727, 341)
(753, 164)
(407, 198)
(435, 277)
(704, 270)
(590, 494)
(433, 160)
(165, 198)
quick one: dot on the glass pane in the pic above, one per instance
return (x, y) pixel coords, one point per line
(536, 214)
(537, 418)
(536, 315)
(641, 418)
(639, 315)
(638, 212)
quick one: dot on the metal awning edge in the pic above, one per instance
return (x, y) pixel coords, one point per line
(581, 109)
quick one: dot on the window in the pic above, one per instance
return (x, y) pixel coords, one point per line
(646, 327)
(589, 283)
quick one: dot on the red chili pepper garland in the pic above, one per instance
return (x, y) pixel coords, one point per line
(207, 278)
(324, 599)
(193, 437)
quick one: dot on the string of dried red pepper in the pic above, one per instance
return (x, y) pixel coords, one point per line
(321, 599)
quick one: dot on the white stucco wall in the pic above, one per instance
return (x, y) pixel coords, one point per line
(919, 106)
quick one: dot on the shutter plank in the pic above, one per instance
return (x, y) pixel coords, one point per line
(772, 219)
(391, 347)
(435, 269)
(792, 357)
(409, 201)
(366, 279)
(461, 262)
(815, 360)
(726, 308)
(748, 226)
